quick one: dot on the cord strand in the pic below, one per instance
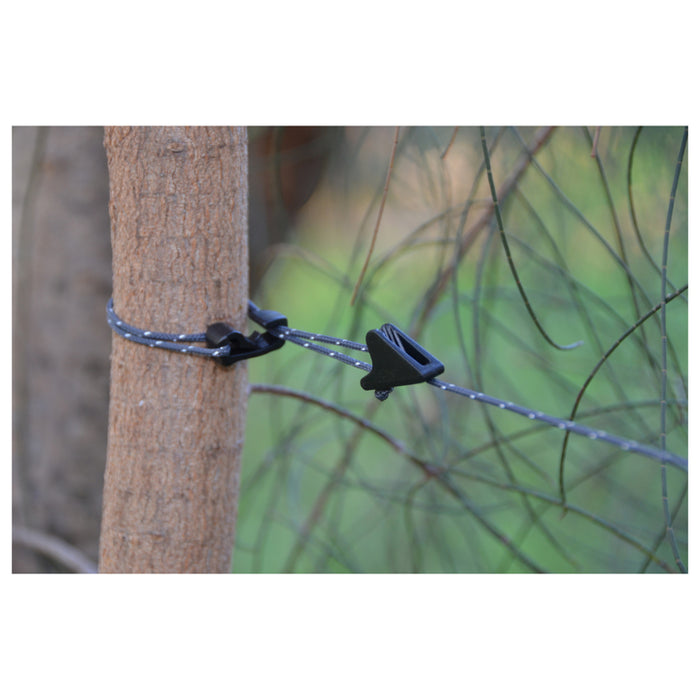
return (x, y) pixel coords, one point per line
(183, 343)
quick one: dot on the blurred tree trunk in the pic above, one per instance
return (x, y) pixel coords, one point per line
(61, 276)
(287, 164)
(178, 205)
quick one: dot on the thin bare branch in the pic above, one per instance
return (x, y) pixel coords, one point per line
(379, 218)
(57, 549)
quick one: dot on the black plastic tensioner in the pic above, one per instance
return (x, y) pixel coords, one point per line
(241, 347)
(397, 360)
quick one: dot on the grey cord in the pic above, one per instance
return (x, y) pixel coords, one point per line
(568, 425)
(183, 343)
(176, 342)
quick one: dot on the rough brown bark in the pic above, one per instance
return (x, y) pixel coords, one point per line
(178, 204)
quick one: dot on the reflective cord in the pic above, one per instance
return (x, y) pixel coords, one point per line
(568, 425)
(183, 343)
(176, 342)
(561, 424)
(303, 339)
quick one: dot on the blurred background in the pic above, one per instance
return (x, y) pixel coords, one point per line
(333, 480)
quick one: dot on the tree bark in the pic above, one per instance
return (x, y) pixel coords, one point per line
(178, 205)
(61, 274)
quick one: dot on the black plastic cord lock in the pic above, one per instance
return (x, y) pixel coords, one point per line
(264, 318)
(221, 334)
(397, 360)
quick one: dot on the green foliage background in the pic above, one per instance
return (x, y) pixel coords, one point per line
(321, 494)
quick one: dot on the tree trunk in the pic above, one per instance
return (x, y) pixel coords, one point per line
(178, 205)
(61, 274)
